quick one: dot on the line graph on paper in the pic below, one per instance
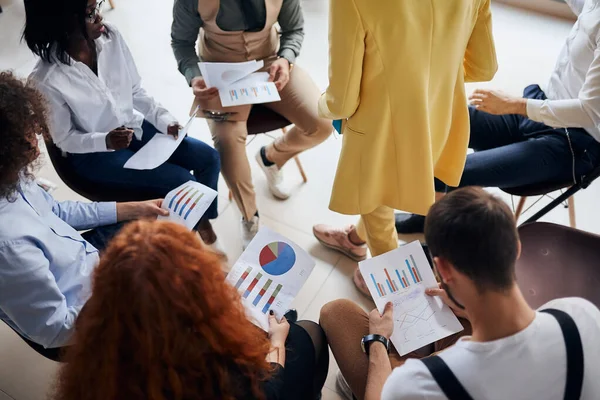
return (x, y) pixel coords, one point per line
(415, 323)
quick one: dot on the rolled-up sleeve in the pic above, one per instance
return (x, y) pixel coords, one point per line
(184, 33)
(580, 112)
(30, 297)
(83, 216)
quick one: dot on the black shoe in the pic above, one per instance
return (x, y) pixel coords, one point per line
(409, 223)
(291, 316)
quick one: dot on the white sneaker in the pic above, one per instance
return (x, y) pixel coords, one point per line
(275, 180)
(249, 230)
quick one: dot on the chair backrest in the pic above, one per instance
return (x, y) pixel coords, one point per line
(88, 189)
(558, 261)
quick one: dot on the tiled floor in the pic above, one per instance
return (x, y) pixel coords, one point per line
(527, 47)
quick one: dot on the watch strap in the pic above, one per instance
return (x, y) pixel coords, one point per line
(368, 340)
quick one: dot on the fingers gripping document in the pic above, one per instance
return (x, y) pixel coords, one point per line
(401, 277)
(158, 150)
(239, 83)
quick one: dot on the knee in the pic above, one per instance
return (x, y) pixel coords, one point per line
(332, 313)
(324, 129)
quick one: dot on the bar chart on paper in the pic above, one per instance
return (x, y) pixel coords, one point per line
(269, 275)
(401, 277)
(249, 93)
(187, 203)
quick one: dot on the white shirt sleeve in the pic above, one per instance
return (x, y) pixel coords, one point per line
(152, 110)
(64, 134)
(580, 112)
(576, 5)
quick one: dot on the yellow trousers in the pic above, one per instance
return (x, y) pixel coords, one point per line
(378, 229)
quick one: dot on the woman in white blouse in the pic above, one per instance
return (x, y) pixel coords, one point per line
(100, 114)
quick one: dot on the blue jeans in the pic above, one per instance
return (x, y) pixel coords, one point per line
(513, 151)
(191, 155)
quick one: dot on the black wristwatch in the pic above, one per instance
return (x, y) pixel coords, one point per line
(367, 340)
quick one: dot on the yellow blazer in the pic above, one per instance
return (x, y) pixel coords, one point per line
(396, 78)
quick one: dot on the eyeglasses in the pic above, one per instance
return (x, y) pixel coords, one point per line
(91, 17)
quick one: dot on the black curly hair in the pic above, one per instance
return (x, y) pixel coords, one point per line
(22, 116)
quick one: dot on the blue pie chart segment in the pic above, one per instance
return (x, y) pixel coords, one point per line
(277, 258)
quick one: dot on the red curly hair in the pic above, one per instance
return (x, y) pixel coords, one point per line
(162, 324)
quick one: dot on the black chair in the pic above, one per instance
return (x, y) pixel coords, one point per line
(51, 354)
(91, 190)
(557, 261)
(262, 120)
(545, 188)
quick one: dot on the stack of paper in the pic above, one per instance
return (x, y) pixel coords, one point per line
(239, 83)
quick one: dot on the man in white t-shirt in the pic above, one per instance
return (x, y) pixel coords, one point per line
(514, 352)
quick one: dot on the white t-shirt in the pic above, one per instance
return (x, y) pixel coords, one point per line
(528, 365)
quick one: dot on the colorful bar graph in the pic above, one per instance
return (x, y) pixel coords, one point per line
(391, 285)
(379, 292)
(181, 199)
(193, 205)
(188, 201)
(412, 275)
(251, 287)
(405, 279)
(416, 268)
(262, 292)
(243, 277)
(176, 196)
(271, 299)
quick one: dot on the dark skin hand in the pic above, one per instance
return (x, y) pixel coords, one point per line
(119, 138)
(173, 130)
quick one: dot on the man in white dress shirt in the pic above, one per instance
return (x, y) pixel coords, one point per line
(549, 136)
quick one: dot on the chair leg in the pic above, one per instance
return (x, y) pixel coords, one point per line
(298, 163)
(520, 207)
(230, 195)
(301, 169)
(112, 3)
(572, 217)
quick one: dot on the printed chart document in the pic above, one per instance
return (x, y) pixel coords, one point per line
(239, 83)
(401, 277)
(188, 203)
(158, 149)
(269, 275)
(254, 89)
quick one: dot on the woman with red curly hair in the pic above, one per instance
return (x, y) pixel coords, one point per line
(162, 324)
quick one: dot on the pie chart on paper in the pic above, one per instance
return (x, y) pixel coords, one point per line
(277, 258)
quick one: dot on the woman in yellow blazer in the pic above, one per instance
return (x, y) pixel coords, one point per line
(397, 71)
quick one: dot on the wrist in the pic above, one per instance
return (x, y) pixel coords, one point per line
(125, 211)
(519, 106)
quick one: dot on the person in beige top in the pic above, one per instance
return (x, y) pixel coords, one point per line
(238, 31)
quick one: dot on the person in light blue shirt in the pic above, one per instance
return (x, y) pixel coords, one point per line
(45, 263)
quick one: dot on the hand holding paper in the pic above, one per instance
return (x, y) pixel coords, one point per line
(402, 277)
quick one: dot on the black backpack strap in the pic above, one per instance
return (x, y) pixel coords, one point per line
(446, 379)
(575, 365)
